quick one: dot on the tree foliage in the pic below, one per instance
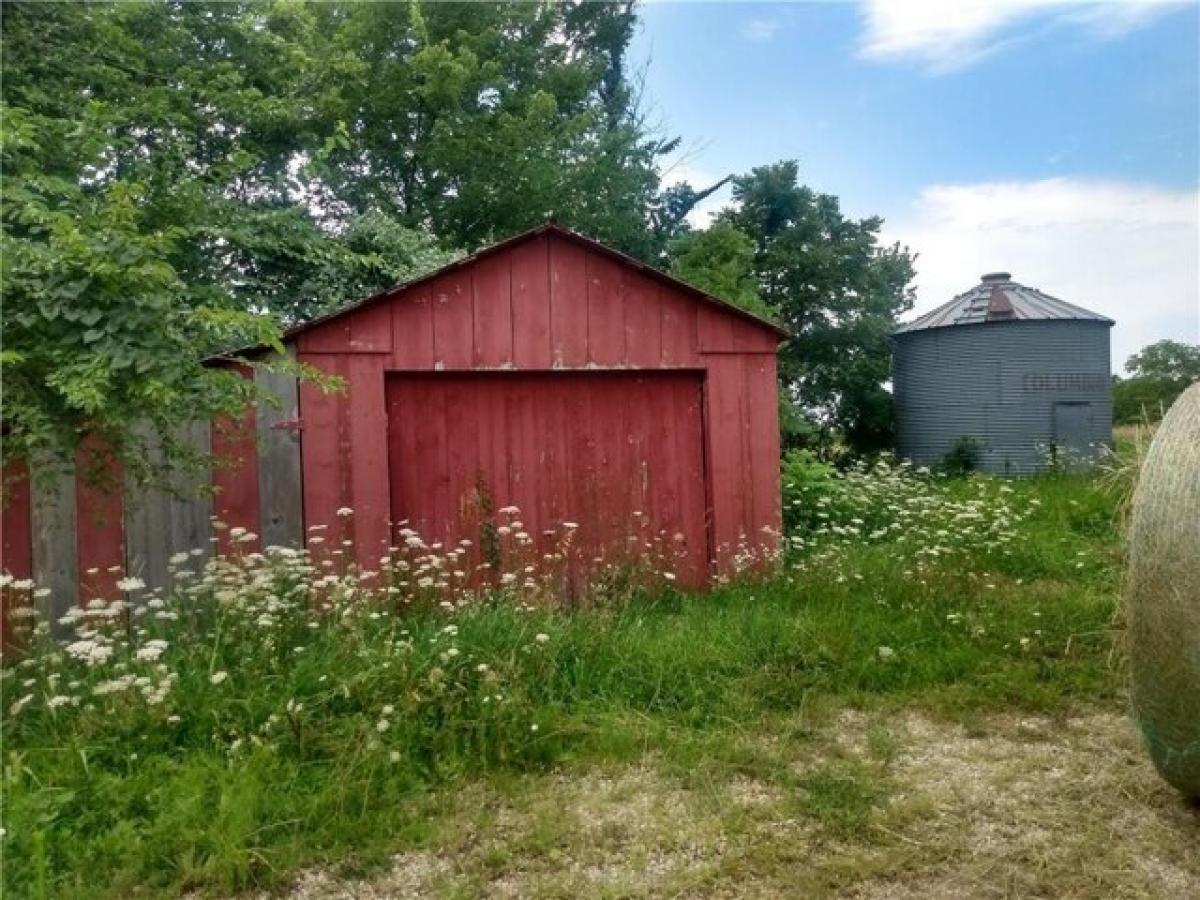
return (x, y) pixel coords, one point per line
(117, 215)
(480, 120)
(181, 178)
(1170, 361)
(1158, 373)
(719, 260)
(826, 279)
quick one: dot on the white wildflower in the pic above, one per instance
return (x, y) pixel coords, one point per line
(90, 651)
(151, 650)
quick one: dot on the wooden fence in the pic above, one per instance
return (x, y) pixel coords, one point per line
(79, 539)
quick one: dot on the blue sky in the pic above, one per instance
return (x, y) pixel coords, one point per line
(1056, 140)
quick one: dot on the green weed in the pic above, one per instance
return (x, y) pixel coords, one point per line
(287, 715)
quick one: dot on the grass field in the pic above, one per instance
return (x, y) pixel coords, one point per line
(924, 697)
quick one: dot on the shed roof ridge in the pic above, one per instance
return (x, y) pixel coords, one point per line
(548, 227)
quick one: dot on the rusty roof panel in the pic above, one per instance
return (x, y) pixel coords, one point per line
(997, 298)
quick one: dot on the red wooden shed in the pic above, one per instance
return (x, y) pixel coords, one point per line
(547, 372)
(554, 374)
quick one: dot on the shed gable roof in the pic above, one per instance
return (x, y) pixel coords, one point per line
(554, 229)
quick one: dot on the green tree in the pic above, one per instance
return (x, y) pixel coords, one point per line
(480, 120)
(1171, 361)
(830, 283)
(182, 177)
(120, 187)
(1158, 373)
(719, 260)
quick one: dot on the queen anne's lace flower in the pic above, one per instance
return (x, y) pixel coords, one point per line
(151, 650)
(92, 651)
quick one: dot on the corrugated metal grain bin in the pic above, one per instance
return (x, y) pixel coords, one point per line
(1024, 374)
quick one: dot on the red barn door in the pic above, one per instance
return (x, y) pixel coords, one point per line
(602, 450)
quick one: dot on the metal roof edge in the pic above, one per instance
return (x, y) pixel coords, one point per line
(903, 329)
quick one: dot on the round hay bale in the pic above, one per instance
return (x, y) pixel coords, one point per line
(1163, 596)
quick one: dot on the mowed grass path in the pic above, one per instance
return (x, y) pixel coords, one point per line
(834, 728)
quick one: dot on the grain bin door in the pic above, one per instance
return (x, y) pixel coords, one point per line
(1074, 430)
(589, 448)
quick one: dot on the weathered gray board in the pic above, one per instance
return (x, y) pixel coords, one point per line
(280, 499)
(52, 522)
(160, 523)
(190, 509)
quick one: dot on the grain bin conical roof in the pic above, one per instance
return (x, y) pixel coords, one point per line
(997, 298)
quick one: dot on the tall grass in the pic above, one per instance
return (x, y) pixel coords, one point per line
(274, 710)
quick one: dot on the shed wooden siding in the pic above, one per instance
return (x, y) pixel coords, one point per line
(99, 518)
(235, 501)
(583, 446)
(16, 537)
(547, 303)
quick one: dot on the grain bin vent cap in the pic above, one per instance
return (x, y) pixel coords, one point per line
(997, 298)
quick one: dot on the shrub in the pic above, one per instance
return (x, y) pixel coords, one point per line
(807, 484)
(964, 457)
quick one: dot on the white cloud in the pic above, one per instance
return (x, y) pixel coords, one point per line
(944, 35)
(760, 30)
(1128, 251)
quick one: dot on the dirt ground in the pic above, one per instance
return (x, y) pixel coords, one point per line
(873, 806)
